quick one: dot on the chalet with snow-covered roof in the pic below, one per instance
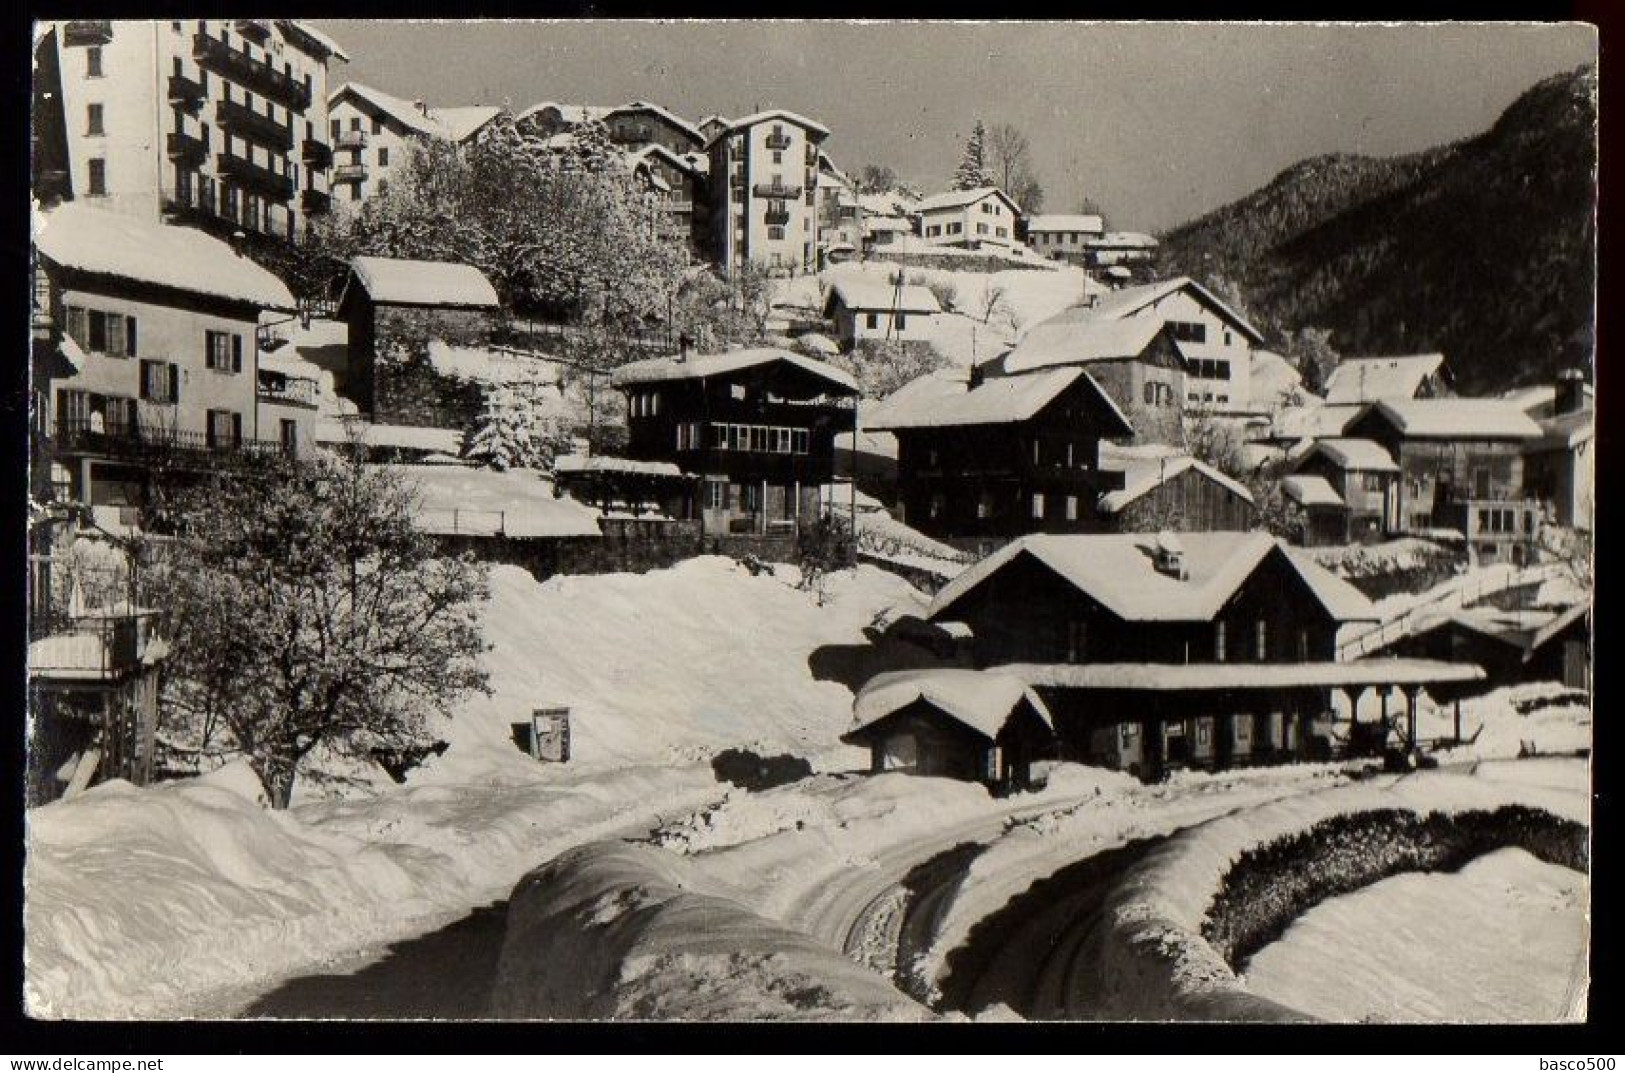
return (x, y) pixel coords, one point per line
(969, 219)
(873, 310)
(395, 308)
(1169, 490)
(1349, 487)
(640, 123)
(682, 190)
(1511, 646)
(1121, 249)
(1064, 236)
(1415, 376)
(981, 460)
(1461, 468)
(758, 426)
(1154, 652)
(1560, 465)
(147, 342)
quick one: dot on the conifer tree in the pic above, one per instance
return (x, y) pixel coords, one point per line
(973, 171)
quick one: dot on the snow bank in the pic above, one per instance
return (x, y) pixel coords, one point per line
(1531, 719)
(1154, 961)
(621, 931)
(670, 665)
(142, 900)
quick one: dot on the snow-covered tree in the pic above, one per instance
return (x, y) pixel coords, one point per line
(973, 170)
(301, 593)
(515, 430)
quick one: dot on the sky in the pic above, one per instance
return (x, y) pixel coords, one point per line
(1156, 123)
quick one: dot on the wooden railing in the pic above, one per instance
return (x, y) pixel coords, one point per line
(1457, 593)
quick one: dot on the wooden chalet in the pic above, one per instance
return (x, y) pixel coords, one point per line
(983, 460)
(1511, 646)
(1349, 489)
(1202, 649)
(757, 426)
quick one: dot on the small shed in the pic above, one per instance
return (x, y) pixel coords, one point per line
(1326, 515)
(952, 722)
(875, 309)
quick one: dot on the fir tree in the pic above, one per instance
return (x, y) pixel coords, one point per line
(973, 172)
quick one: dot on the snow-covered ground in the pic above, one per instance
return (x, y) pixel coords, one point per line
(1386, 943)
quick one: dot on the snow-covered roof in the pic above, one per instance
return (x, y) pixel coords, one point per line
(895, 224)
(958, 199)
(396, 281)
(654, 109)
(1450, 418)
(1311, 490)
(888, 203)
(410, 437)
(1314, 421)
(698, 366)
(1145, 475)
(88, 239)
(1181, 677)
(778, 113)
(1565, 431)
(871, 294)
(1069, 341)
(1054, 221)
(1370, 379)
(1272, 376)
(1118, 570)
(321, 39)
(1356, 454)
(945, 399)
(608, 464)
(1558, 623)
(1538, 401)
(681, 163)
(1127, 301)
(1123, 240)
(516, 503)
(570, 113)
(462, 122)
(486, 365)
(403, 112)
(819, 342)
(980, 700)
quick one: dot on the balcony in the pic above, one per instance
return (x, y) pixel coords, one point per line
(255, 74)
(777, 193)
(87, 32)
(185, 150)
(777, 217)
(77, 436)
(287, 390)
(317, 155)
(778, 141)
(350, 173)
(812, 155)
(254, 177)
(351, 139)
(247, 123)
(315, 202)
(186, 93)
(255, 29)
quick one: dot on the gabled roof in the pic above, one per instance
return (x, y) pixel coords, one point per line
(1453, 418)
(778, 113)
(1314, 421)
(981, 700)
(1072, 342)
(85, 238)
(321, 40)
(1370, 379)
(1561, 621)
(866, 294)
(1066, 222)
(695, 367)
(1127, 301)
(1129, 240)
(1117, 570)
(570, 113)
(958, 199)
(461, 123)
(1565, 431)
(402, 111)
(1363, 455)
(669, 116)
(1311, 490)
(945, 399)
(396, 281)
(1141, 476)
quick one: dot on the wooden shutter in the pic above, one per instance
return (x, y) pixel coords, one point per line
(236, 353)
(98, 332)
(236, 427)
(77, 329)
(174, 394)
(129, 336)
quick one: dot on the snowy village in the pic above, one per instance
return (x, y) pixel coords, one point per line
(548, 560)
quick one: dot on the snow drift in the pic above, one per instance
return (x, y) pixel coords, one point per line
(615, 930)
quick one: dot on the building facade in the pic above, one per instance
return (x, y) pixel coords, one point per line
(764, 190)
(216, 122)
(1064, 237)
(970, 219)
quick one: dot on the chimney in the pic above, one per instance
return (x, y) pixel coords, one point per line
(1571, 392)
(420, 106)
(976, 376)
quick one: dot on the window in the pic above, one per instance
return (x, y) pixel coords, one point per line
(1077, 641)
(225, 428)
(1071, 508)
(160, 381)
(775, 233)
(1218, 642)
(355, 123)
(93, 62)
(112, 334)
(98, 178)
(981, 229)
(778, 158)
(224, 351)
(1187, 331)
(871, 320)
(377, 125)
(1150, 393)
(1038, 505)
(938, 503)
(383, 156)
(289, 436)
(902, 321)
(716, 494)
(1261, 646)
(333, 127)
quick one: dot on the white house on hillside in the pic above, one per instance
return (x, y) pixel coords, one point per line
(876, 310)
(1064, 237)
(1414, 376)
(969, 218)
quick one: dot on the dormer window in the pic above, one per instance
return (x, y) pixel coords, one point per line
(1168, 555)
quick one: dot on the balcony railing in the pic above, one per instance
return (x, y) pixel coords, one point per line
(350, 173)
(185, 149)
(781, 193)
(88, 649)
(778, 141)
(288, 390)
(243, 120)
(187, 93)
(258, 29)
(78, 435)
(255, 74)
(257, 178)
(315, 202)
(351, 139)
(317, 154)
(777, 216)
(88, 32)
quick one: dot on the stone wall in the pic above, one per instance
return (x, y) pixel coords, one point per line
(627, 546)
(407, 389)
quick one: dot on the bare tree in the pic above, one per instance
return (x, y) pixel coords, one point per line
(1009, 160)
